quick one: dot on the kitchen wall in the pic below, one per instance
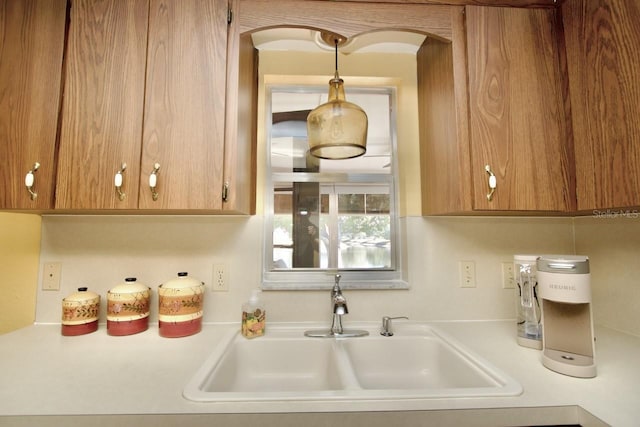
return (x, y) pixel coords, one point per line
(19, 254)
(611, 239)
(100, 251)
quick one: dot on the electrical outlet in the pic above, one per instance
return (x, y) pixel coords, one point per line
(467, 274)
(220, 278)
(51, 273)
(508, 278)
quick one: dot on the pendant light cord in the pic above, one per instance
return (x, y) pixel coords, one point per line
(336, 41)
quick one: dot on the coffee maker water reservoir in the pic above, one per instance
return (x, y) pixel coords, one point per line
(528, 316)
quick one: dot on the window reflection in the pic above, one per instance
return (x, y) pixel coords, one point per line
(310, 232)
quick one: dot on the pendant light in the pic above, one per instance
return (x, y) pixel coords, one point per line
(337, 129)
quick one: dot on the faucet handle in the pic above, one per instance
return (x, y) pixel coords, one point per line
(387, 329)
(338, 277)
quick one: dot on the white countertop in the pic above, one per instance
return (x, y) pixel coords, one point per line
(44, 373)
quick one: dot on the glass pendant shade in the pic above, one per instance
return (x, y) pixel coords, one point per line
(337, 129)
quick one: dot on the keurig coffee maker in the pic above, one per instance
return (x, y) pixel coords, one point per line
(567, 322)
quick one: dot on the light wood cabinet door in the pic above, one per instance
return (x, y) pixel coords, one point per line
(184, 126)
(602, 43)
(519, 123)
(31, 51)
(241, 120)
(103, 104)
(444, 126)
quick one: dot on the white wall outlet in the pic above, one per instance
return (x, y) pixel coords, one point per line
(220, 278)
(51, 274)
(508, 278)
(467, 274)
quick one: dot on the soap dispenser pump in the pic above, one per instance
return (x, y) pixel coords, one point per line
(253, 316)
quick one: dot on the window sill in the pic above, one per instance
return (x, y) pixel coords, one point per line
(306, 281)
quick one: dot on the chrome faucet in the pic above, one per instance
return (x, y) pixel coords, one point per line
(339, 307)
(339, 304)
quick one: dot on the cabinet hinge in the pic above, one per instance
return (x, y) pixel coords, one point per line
(229, 15)
(225, 192)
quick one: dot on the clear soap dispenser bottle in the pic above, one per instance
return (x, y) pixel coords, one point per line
(253, 316)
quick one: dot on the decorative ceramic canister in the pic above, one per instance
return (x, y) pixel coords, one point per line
(180, 303)
(128, 308)
(80, 312)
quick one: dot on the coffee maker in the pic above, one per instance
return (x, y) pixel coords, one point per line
(567, 320)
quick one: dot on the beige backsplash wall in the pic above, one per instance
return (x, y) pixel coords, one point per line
(611, 239)
(100, 251)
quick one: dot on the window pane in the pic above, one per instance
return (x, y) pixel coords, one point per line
(365, 241)
(289, 147)
(377, 203)
(282, 242)
(331, 226)
(296, 240)
(351, 203)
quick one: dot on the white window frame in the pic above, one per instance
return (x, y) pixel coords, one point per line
(314, 278)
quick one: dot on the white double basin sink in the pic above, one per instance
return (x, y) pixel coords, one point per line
(419, 361)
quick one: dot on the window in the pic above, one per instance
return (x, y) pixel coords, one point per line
(328, 216)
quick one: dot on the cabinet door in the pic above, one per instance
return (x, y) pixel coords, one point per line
(518, 123)
(602, 43)
(185, 105)
(103, 104)
(444, 126)
(31, 50)
(241, 121)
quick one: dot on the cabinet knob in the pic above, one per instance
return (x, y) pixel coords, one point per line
(119, 180)
(29, 180)
(493, 182)
(153, 181)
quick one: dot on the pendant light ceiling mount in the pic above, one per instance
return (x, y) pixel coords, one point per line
(337, 129)
(331, 39)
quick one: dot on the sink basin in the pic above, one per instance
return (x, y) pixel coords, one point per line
(275, 365)
(419, 361)
(415, 363)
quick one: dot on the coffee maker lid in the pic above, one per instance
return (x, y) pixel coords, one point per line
(566, 264)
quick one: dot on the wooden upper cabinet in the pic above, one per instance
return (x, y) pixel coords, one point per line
(146, 87)
(519, 123)
(103, 104)
(31, 52)
(602, 43)
(184, 126)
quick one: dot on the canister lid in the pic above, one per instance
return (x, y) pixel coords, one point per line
(182, 281)
(130, 286)
(82, 295)
(564, 264)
